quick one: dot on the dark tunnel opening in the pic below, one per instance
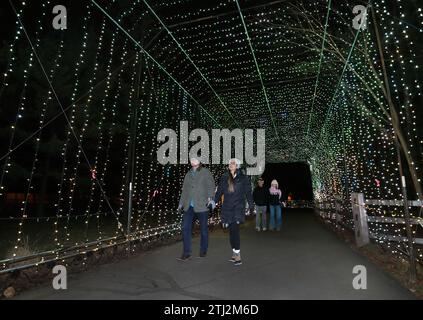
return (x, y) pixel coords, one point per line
(294, 179)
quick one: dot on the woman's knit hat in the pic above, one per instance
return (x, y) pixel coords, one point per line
(237, 161)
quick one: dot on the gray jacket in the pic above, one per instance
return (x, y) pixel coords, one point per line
(199, 188)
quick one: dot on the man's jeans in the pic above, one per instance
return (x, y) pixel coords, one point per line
(261, 220)
(275, 210)
(187, 222)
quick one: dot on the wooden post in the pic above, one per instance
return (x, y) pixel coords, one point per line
(361, 228)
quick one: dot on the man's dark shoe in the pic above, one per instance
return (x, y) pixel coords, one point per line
(203, 254)
(184, 257)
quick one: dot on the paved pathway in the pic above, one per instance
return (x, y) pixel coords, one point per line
(303, 261)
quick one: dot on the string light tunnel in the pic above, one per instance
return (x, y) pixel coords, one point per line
(80, 109)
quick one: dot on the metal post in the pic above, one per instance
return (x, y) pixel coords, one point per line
(361, 228)
(128, 228)
(132, 150)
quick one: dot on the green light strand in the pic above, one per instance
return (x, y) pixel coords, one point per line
(192, 62)
(320, 65)
(339, 84)
(257, 66)
(154, 60)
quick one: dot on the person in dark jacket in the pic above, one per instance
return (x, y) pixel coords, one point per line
(197, 195)
(236, 188)
(261, 200)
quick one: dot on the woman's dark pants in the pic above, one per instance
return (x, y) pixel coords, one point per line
(234, 236)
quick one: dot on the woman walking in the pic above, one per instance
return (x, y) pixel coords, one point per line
(235, 188)
(275, 206)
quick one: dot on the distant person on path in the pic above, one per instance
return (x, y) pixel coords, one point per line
(236, 188)
(275, 206)
(197, 195)
(261, 200)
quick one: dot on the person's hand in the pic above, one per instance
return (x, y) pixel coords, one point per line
(252, 210)
(211, 205)
(180, 207)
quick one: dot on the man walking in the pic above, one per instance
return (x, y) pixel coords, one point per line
(261, 200)
(197, 195)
